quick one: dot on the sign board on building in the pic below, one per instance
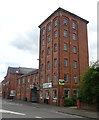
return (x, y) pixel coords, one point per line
(47, 85)
(61, 82)
(12, 93)
(31, 86)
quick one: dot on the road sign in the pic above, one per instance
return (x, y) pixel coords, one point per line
(12, 93)
(31, 86)
(47, 85)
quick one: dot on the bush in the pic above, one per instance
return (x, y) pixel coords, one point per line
(69, 101)
(89, 85)
(25, 99)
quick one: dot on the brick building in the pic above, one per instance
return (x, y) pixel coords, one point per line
(1, 89)
(63, 56)
(27, 86)
(9, 84)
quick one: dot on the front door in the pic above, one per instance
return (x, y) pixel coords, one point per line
(34, 95)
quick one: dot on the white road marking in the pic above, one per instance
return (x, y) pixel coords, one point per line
(34, 107)
(6, 111)
(15, 104)
(38, 117)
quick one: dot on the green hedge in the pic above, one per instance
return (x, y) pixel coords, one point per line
(70, 102)
(25, 98)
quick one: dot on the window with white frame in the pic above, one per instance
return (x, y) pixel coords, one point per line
(65, 21)
(43, 42)
(48, 78)
(66, 78)
(28, 80)
(41, 94)
(18, 90)
(55, 34)
(42, 53)
(27, 90)
(66, 93)
(75, 64)
(55, 22)
(23, 80)
(33, 79)
(65, 46)
(65, 33)
(22, 89)
(48, 65)
(75, 79)
(48, 39)
(54, 94)
(43, 32)
(74, 49)
(55, 78)
(48, 28)
(55, 62)
(65, 62)
(75, 91)
(41, 79)
(47, 94)
(36, 78)
(74, 25)
(19, 81)
(74, 36)
(55, 47)
(48, 51)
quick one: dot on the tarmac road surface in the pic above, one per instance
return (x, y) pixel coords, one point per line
(20, 110)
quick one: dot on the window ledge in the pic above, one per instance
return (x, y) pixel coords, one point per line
(54, 98)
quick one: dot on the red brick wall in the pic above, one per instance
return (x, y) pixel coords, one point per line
(0, 89)
(9, 83)
(92, 107)
(26, 92)
(81, 57)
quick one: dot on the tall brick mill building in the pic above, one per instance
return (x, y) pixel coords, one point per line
(63, 56)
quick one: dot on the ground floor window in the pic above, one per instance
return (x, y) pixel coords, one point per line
(66, 93)
(22, 90)
(75, 93)
(54, 94)
(27, 90)
(41, 94)
(47, 94)
(18, 90)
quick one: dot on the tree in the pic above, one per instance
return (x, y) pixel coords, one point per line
(89, 85)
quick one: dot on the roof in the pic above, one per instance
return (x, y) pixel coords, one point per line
(19, 70)
(61, 9)
(30, 73)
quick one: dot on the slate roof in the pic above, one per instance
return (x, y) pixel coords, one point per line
(30, 73)
(19, 70)
(61, 9)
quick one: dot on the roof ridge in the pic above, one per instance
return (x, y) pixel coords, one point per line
(64, 11)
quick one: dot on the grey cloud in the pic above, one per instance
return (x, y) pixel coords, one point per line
(27, 41)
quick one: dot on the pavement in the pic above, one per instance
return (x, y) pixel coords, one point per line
(61, 109)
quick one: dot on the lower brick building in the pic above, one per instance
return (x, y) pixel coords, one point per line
(1, 89)
(9, 84)
(28, 86)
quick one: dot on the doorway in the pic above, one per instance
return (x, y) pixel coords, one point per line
(34, 95)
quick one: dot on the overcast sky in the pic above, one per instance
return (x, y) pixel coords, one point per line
(19, 32)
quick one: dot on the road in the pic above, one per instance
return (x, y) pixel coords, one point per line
(21, 110)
